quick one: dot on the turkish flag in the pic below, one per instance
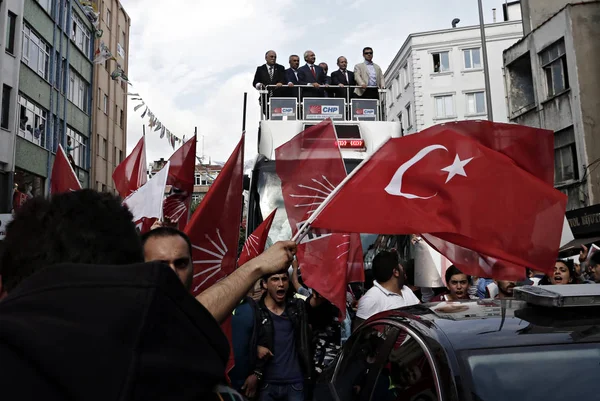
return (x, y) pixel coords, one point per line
(519, 143)
(310, 166)
(455, 188)
(255, 243)
(181, 179)
(214, 228)
(131, 174)
(63, 178)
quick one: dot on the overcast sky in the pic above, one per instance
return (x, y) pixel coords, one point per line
(192, 60)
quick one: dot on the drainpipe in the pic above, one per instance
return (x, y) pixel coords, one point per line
(51, 128)
(68, 69)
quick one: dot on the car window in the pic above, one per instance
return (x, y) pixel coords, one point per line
(408, 373)
(363, 358)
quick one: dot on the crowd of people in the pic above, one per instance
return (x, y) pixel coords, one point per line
(366, 77)
(89, 309)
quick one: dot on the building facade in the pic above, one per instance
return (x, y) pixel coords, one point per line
(110, 96)
(11, 26)
(54, 93)
(438, 76)
(553, 83)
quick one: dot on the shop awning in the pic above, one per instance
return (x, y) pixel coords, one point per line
(577, 242)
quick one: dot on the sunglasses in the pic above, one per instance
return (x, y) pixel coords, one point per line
(368, 53)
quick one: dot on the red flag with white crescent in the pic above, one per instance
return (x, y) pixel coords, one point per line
(181, 178)
(451, 186)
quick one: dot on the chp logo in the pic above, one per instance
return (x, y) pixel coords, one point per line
(365, 112)
(283, 110)
(323, 109)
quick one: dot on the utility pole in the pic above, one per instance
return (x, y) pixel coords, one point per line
(486, 69)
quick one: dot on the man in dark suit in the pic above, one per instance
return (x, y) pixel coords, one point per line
(342, 78)
(311, 74)
(269, 73)
(291, 76)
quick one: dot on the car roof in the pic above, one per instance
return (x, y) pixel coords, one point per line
(488, 323)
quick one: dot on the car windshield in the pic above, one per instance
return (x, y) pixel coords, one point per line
(535, 373)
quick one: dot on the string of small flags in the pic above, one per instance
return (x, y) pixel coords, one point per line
(103, 54)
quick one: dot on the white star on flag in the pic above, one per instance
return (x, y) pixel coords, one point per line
(456, 168)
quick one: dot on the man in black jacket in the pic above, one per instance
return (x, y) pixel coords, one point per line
(284, 332)
(269, 73)
(342, 77)
(85, 319)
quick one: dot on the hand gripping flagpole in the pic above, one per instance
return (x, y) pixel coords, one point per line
(305, 228)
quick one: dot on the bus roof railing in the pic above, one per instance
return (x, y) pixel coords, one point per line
(286, 102)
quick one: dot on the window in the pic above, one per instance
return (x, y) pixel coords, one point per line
(475, 103)
(401, 123)
(404, 76)
(441, 62)
(197, 178)
(408, 116)
(46, 5)
(78, 91)
(36, 53)
(363, 360)
(105, 146)
(77, 147)
(554, 63)
(118, 156)
(565, 156)
(105, 108)
(32, 121)
(444, 106)
(81, 35)
(108, 17)
(121, 118)
(11, 26)
(102, 147)
(5, 115)
(395, 89)
(521, 94)
(472, 59)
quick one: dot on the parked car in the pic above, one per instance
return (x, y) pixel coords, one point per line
(543, 345)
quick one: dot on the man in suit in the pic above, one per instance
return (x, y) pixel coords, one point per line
(311, 74)
(342, 78)
(291, 76)
(269, 73)
(328, 91)
(368, 74)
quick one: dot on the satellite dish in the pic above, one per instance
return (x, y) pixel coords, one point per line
(455, 22)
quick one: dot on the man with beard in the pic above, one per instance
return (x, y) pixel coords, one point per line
(284, 332)
(501, 289)
(388, 291)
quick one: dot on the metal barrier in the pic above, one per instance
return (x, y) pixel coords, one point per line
(295, 106)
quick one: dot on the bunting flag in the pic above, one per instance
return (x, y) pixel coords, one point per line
(91, 12)
(119, 74)
(102, 54)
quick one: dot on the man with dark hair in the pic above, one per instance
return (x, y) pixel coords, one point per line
(86, 320)
(457, 284)
(368, 76)
(388, 291)
(172, 247)
(284, 332)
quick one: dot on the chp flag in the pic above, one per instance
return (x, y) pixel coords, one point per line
(255, 243)
(181, 179)
(63, 178)
(310, 166)
(468, 189)
(146, 203)
(131, 174)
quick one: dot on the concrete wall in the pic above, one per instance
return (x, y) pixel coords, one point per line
(9, 75)
(108, 126)
(536, 12)
(585, 23)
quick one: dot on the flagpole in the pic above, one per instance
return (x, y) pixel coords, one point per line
(244, 112)
(486, 69)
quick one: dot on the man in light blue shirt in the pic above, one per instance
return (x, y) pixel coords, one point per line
(368, 76)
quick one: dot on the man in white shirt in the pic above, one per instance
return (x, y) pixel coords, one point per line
(388, 291)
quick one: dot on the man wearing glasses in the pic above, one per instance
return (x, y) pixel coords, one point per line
(368, 74)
